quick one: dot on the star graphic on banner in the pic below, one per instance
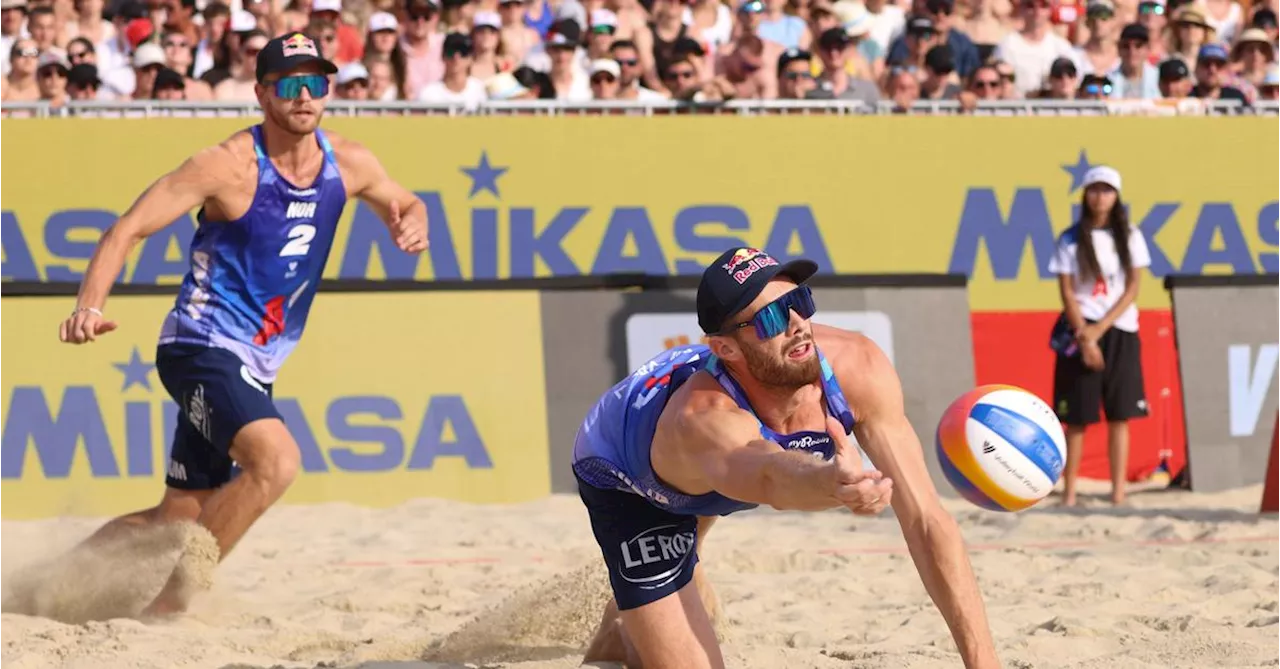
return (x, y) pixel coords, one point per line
(484, 176)
(1078, 171)
(135, 371)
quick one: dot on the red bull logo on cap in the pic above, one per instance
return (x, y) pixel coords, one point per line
(753, 259)
(298, 44)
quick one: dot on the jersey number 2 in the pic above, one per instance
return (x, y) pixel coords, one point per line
(300, 237)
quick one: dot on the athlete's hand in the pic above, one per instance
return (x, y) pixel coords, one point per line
(84, 326)
(864, 492)
(1091, 355)
(410, 232)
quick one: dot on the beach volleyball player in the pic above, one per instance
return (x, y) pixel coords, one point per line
(758, 416)
(270, 198)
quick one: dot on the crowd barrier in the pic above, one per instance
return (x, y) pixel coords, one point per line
(461, 391)
(1227, 356)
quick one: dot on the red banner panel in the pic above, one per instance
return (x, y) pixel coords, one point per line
(1013, 348)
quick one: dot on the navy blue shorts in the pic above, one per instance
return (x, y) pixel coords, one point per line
(216, 397)
(650, 552)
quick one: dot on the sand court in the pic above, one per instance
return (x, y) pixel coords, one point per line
(1175, 580)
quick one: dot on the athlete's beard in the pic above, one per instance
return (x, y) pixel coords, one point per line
(783, 372)
(293, 124)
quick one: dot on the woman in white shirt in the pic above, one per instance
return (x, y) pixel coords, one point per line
(1099, 361)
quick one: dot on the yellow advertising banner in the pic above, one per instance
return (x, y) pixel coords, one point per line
(390, 396)
(533, 196)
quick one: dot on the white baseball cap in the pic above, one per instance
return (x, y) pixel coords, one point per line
(606, 65)
(604, 17)
(242, 21)
(149, 53)
(1102, 175)
(485, 19)
(379, 21)
(352, 72)
(326, 6)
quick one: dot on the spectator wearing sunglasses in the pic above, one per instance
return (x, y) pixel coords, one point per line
(1094, 87)
(986, 84)
(630, 72)
(745, 70)
(902, 85)
(604, 25)
(1153, 15)
(1212, 72)
(795, 81)
(352, 82)
(178, 56)
(1135, 78)
(1034, 48)
(604, 79)
(51, 77)
(240, 87)
(347, 45)
(13, 18)
(457, 86)
(20, 83)
(423, 45)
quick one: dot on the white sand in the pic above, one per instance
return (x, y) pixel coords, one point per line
(1180, 580)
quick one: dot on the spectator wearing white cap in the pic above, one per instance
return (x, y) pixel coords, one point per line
(51, 77)
(457, 85)
(423, 45)
(630, 72)
(20, 83)
(604, 25)
(240, 86)
(1099, 356)
(604, 79)
(1269, 87)
(382, 46)
(352, 82)
(490, 56)
(1033, 49)
(148, 60)
(349, 45)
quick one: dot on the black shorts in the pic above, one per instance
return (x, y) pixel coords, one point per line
(1078, 391)
(650, 553)
(216, 397)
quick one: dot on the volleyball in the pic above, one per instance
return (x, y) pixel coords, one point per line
(1001, 447)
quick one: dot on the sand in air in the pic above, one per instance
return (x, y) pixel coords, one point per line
(115, 577)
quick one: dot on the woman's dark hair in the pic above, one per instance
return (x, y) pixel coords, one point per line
(399, 64)
(1117, 225)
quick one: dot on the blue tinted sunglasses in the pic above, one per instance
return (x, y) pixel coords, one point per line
(772, 319)
(290, 88)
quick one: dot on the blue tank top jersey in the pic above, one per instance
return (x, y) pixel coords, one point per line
(612, 447)
(252, 280)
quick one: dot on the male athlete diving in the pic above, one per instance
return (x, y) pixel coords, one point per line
(758, 416)
(270, 199)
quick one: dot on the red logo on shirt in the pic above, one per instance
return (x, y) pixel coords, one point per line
(272, 322)
(1100, 287)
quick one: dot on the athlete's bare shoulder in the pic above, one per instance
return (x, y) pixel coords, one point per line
(865, 375)
(358, 165)
(224, 163)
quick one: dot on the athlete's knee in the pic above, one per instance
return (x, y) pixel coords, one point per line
(267, 453)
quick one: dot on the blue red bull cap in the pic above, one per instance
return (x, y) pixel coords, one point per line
(735, 278)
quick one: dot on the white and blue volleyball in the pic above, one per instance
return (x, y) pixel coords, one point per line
(1001, 447)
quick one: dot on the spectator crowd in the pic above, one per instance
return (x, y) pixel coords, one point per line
(470, 51)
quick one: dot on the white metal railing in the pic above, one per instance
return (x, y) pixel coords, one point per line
(181, 109)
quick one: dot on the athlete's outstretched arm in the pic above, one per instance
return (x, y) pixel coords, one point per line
(171, 196)
(726, 447)
(402, 211)
(932, 536)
